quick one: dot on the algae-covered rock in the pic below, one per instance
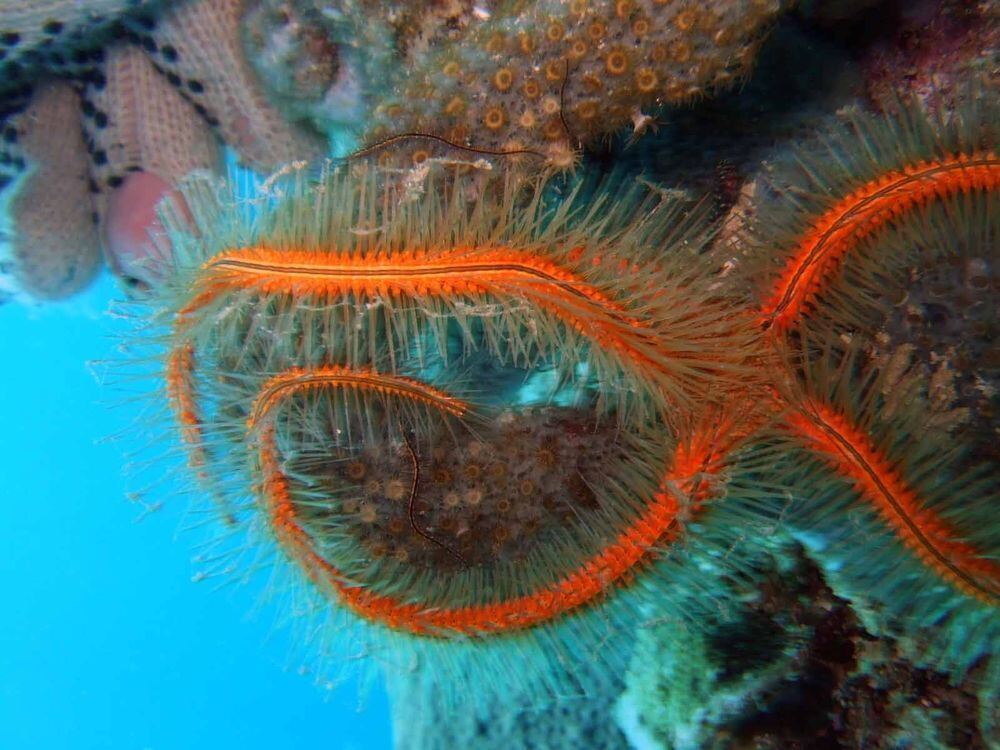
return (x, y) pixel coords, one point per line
(800, 668)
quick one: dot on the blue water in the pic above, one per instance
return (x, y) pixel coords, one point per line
(105, 642)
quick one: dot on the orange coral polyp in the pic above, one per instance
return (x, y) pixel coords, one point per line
(851, 453)
(657, 524)
(863, 212)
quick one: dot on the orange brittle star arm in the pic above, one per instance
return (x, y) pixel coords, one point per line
(501, 272)
(862, 213)
(852, 455)
(656, 524)
(180, 394)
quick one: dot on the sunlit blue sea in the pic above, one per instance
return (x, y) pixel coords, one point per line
(105, 641)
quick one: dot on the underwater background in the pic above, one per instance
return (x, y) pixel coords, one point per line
(105, 642)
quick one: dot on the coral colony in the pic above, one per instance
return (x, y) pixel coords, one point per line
(561, 74)
(494, 416)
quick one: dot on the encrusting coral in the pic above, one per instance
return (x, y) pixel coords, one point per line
(546, 78)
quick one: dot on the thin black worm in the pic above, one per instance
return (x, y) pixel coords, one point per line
(393, 139)
(412, 502)
(562, 99)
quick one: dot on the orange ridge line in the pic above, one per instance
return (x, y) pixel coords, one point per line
(850, 452)
(864, 212)
(576, 589)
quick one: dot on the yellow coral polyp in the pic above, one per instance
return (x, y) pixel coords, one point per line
(686, 19)
(676, 91)
(495, 44)
(555, 70)
(723, 37)
(494, 118)
(367, 513)
(616, 62)
(586, 110)
(578, 48)
(503, 79)
(513, 145)
(395, 489)
(646, 80)
(554, 130)
(746, 55)
(680, 51)
(554, 32)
